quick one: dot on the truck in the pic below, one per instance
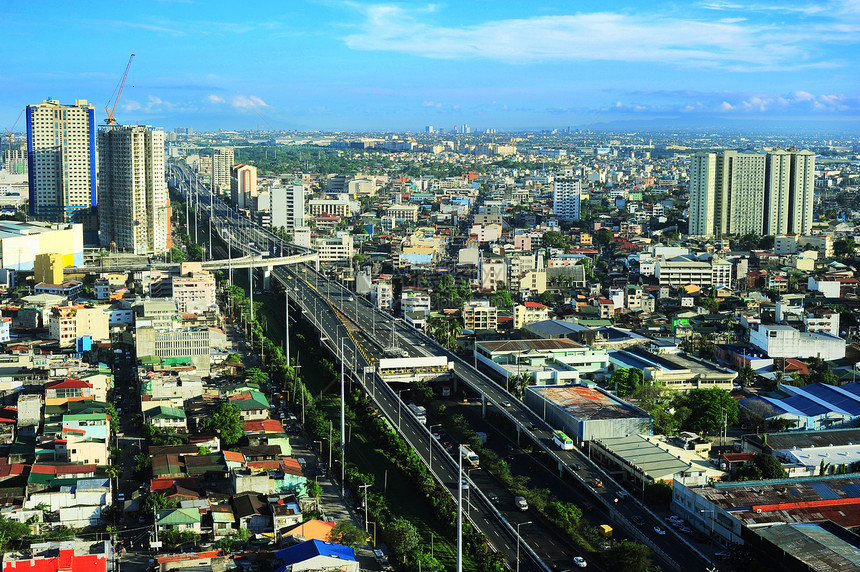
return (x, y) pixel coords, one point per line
(521, 503)
(605, 531)
(470, 456)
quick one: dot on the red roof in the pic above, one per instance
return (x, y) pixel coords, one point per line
(534, 305)
(265, 426)
(49, 469)
(288, 465)
(165, 483)
(66, 560)
(68, 383)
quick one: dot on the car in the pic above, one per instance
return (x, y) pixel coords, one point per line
(437, 436)
(494, 498)
(464, 483)
(532, 427)
(576, 467)
(637, 520)
(686, 530)
(659, 530)
(506, 403)
(580, 561)
(351, 299)
(596, 483)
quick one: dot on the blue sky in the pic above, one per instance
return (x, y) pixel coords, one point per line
(330, 64)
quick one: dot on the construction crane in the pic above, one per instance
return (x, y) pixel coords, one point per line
(109, 111)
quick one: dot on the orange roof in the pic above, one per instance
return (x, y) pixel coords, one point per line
(234, 457)
(313, 530)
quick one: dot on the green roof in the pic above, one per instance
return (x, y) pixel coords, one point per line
(149, 360)
(162, 412)
(173, 516)
(85, 417)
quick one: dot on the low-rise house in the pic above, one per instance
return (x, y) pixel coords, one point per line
(223, 521)
(171, 418)
(286, 513)
(252, 512)
(178, 519)
(318, 555)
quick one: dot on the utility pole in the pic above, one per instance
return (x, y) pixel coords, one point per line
(460, 509)
(342, 416)
(287, 322)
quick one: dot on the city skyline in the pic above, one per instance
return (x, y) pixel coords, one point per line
(400, 66)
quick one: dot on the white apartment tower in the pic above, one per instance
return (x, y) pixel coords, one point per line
(132, 189)
(789, 192)
(727, 193)
(287, 206)
(61, 163)
(703, 178)
(735, 193)
(565, 198)
(222, 161)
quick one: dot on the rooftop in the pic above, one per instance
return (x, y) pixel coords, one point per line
(587, 403)
(822, 547)
(523, 346)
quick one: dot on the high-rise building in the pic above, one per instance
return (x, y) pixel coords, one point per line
(61, 153)
(789, 192)
(132, 190)
(222, 161)
(735, 193)
(15, 161)
(565, 198)
(287, 205)
(243, 184)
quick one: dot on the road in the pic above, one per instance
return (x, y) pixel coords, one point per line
(671, 550)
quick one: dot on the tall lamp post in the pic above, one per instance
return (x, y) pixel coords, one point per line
(520, 541)
(430, 448)
(460, 508)
(365, 503)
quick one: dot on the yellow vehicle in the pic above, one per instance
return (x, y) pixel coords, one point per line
(605, 531)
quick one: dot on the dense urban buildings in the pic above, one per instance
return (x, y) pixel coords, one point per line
(132, 189)
(222, 163)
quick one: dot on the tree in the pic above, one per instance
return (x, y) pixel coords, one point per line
(113, 472)
(769, 466)
(766, 242)
(603, 236)
(746, 376)
(629, 557)
(233, 358)
(228, 422)
(554, 239)
(256, 375)
(709, 408)
(348, 534)
(177, 255)
(203, 450)
(156, 501)
(114, 417)
(502, 298)
(402, 537)
(175, 537)
(626, 380)
(567, 513)
(844, 247)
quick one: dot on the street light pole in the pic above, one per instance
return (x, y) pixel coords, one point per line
(460, 508)
(342, 417)
(365, 503)
(519, 541)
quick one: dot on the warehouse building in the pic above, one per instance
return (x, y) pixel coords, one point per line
(586, 413)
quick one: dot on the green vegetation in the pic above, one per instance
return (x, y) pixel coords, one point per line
(226, 421)
(348, 534)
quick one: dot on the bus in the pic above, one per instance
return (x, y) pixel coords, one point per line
(470, 456)
(562, 440)
(418, 411)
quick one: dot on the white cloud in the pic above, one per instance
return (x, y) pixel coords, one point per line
(215, 98)
(601, 36)
(726, 106)
(248, 102)
(131, 105)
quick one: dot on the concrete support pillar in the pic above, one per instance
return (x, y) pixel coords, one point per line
(519, 433)
(483, 406)
(560, 470)
(267, 278)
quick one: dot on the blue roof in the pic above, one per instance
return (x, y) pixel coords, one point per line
(804, 405)
(313, 548)
(837, 397)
